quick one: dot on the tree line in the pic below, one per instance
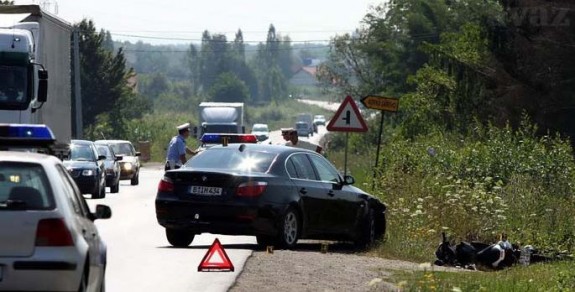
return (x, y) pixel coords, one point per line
(453, 63)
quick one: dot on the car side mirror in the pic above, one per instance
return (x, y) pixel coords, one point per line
(138, 153)
(118, 157)
(101, 157)
(348, 180)
(102, 212)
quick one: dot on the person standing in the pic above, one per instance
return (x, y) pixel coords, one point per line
(292, 139)
(177, 149)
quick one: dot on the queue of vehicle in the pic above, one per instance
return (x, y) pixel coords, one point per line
(49, 240)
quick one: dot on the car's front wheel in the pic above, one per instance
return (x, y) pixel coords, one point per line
(367, 231)
(115, 188)
(136, 179)
(290, 229)
(178, 237)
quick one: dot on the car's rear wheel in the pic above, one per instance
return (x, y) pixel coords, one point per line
(136, 179)
(178, 237)
(290, 229)
(367, 232)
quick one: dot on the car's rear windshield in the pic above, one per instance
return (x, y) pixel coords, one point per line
(233, 159)
(24, 186)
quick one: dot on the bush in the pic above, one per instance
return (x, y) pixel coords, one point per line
(474, 188)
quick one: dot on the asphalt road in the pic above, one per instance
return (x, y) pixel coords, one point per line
(139, 256)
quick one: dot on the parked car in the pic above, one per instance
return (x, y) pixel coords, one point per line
(49, 241)
(303, 129)
(111, 165)
(319, 120)
(130, 163)
(261, 131)
(87, 168)
(279, 194)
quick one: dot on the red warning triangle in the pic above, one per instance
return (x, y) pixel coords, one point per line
(347, 118)
(216, 259)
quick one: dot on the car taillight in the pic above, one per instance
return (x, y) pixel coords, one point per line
(166, 185)
(53, 232)
(251, 189)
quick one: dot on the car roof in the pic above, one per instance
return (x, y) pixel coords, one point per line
(113, 141)
(86, 142)
(21, 156)
(278, 149)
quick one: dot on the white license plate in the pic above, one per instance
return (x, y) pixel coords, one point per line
(206, 191)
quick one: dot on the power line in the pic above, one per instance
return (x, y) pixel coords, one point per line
(187, 51)
(211, 40)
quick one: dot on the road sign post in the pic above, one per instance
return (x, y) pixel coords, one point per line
(347, 119)
(383, 104)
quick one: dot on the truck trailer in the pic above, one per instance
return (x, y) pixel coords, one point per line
(34, 43)
(220, 117)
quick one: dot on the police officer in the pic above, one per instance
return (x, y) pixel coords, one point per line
(177, 149)
(291, 137)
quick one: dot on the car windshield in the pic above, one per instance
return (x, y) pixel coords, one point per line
(104, 150)
(301, 126)
(123, 149)
(260, 129)
(24, 186)
(233, 159)
(81, 152)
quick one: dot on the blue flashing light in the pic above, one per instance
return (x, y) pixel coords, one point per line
(232, 138)
(26, 132)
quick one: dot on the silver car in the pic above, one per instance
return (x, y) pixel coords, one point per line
(48, 240)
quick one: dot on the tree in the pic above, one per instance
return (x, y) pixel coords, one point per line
(108, 101)
(7, 2)
(229, 88)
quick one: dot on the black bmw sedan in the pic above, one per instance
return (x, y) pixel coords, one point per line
(279, 194)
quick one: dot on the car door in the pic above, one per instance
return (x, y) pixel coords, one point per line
(310, 190)
(344, 204)
(84, 225)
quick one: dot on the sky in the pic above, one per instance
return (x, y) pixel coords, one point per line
(183, 21)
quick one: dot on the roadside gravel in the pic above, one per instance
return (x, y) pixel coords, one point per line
(308, 269)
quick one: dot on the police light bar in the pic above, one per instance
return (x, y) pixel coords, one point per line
(231, 138)
(26, 135)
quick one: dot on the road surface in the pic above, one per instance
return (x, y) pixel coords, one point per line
(139, 256)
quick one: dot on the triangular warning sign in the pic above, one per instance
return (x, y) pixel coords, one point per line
(216, 259)
(347, 118)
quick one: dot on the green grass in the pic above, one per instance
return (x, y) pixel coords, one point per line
(556, 276)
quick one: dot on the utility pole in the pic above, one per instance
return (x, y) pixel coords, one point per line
(77, 86)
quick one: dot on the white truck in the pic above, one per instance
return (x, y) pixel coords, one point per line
(34, 42)
(220, 117)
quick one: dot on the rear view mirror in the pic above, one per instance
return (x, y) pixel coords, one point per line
(103, 212)
(101, 157)
(138, 153)
(349, 180)
(42, 85)
(119, 157)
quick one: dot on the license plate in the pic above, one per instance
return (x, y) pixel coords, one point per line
(206, 191)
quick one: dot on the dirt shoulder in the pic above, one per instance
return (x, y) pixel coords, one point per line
(308, 269)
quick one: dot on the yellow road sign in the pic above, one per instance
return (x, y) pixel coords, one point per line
(389, 104)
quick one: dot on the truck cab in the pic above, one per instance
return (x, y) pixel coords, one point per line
(17, 68)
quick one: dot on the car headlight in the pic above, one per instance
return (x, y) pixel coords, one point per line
(88, 172)
(127, 166)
